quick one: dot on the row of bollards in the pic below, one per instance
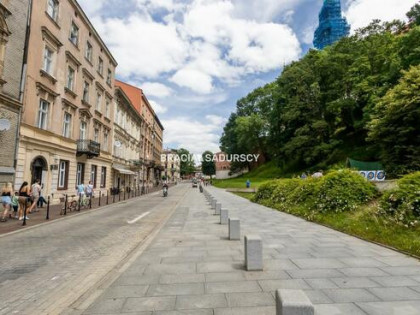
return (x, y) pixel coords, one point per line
(288, 302)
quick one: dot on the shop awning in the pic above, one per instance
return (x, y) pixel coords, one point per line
(123, 171)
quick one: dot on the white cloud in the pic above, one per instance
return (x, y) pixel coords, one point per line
(156, 89)
(195, 80)
(216, 120)
(196, 136)
(158, 108)
(142, 46)
(361, 12)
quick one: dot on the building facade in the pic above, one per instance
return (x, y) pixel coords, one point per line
(151, 135)
(172, 166)
(332, 24)
(222, 166)
(67, 117)
(127, 147)
(13, 32)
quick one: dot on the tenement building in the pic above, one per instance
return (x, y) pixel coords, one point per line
(67, 118)
(172, 166)
(127, 167)
(13, 21)
(151, 138)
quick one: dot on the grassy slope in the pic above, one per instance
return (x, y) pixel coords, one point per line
(257, 177)
(365, 224)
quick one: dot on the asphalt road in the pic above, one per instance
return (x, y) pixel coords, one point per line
(46, 269)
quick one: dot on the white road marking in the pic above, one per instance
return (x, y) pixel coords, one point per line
(138, 218)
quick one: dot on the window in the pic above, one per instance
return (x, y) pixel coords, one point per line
(67, 125)
(80, 173)
(86, 87)
(107, 107)
(103, 177)
(48, 60)
(96, 135)
(98, 101)
(83, 130)
(43, 114)
(109, 77)
(93, 175)
(89, 52)
(70, 79)
(63, 171)
(105, 146)
(101, 66)
(52, 9)
(74, 34)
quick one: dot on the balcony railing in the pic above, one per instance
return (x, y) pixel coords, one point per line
(90, 148)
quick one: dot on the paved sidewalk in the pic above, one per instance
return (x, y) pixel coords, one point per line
(191, 268)
(56, 211)
(49, 268)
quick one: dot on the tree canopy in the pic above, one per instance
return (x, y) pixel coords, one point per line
(337, 102)
(208, 165)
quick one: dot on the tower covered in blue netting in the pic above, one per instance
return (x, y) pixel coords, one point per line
(332, 24)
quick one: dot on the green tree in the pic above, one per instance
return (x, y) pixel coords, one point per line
(187, 162)
(414, 14)
(396, 127)
(208, 165)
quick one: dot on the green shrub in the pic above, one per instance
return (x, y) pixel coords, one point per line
(403, 203)
(338, 191)
(343, 190)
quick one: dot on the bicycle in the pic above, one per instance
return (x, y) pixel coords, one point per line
(71, 204)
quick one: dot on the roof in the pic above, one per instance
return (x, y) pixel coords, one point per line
(136, 95)
(132, 92)
(364, 166)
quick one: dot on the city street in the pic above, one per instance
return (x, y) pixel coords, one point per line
(45, 269)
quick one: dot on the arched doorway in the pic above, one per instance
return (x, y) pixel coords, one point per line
(39, 169)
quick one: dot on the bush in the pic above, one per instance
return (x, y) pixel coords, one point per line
(338, 191)
(403, 203)
(343, 190)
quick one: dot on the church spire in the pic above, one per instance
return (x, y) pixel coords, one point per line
(332, 24)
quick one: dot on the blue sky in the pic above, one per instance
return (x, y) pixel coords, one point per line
(195, 58)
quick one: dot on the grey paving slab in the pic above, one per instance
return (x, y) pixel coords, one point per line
(391, 308)
(226, 287)
(107, 306)
(395, 294)
(175, 289)
(250, 299)
(350, 295)
(338, 309)
(201, 301)
(192, 268)
(149, 304)
(267, 310)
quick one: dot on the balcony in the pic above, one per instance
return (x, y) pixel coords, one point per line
(90, 148)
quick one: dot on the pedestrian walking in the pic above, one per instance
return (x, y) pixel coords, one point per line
(24, 197)
(15, 205)
(89, 190)
(6, 200)
(36, 194)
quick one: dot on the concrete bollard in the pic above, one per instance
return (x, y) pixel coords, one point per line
(218, 208)
(213, 204)
(253, 253)
(293, 302)
(224, 216)
(234, 229)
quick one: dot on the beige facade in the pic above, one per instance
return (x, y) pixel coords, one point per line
(67, 119)
(126, 170)
(172, 164)
(13, 22)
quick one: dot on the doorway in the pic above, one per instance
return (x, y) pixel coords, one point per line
(39, 169)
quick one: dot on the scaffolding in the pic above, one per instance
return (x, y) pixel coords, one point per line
(332, 25)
